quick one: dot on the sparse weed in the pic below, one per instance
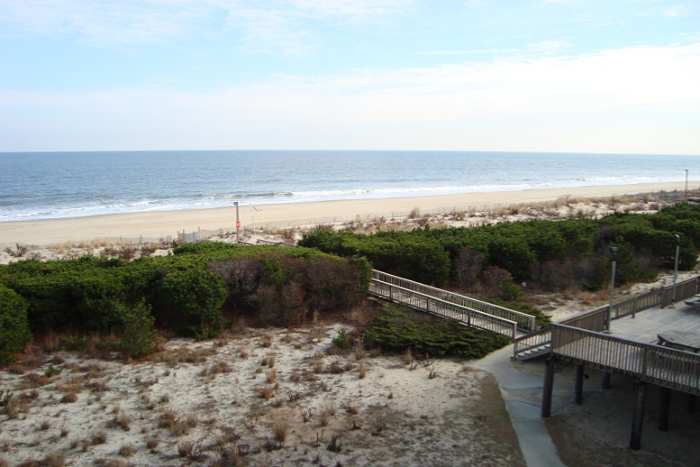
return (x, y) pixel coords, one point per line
(54, 459)
(280, 430)
(189, 449)
(266, 391)
(306, 414)
(362, 370)
(99, 438)
(336, 444)
(127, 450)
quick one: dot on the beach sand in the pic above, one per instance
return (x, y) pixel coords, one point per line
(154, 225)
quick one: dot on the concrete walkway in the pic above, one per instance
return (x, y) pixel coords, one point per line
(522, 393)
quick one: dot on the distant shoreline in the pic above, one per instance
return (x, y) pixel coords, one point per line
(159, 224)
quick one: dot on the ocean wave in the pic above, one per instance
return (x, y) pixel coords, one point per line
(319, 176)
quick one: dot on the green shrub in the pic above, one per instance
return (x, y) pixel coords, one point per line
(138, 336)
(342, 340)
(14, 328)
(398, 327)
(191, 301)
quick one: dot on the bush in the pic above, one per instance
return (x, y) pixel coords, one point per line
(399, 328)
(191, 301)
(138, 336)
(14, 328)
(282, 288)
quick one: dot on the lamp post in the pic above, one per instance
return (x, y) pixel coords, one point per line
(613, 252)
(686, 184)
(677, 238)
(238, 222)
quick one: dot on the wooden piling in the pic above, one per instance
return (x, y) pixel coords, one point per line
(638, 416)
(548, 388)
(664, 408)
(578, 387)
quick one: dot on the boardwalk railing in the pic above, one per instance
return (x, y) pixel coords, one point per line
(529, 342)
(524, 321)
(443, 308)
(652, 363)
(596, 319)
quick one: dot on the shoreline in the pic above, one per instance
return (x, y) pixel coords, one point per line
(159, 224)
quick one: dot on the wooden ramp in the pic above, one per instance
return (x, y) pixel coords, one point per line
(444, 307)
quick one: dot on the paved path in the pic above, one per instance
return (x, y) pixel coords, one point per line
(522, 393)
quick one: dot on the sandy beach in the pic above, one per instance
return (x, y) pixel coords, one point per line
(154, 225)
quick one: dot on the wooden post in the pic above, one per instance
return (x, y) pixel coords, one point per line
(664, 408)
(638, 416)
(605, 383)
(578, 384)
(548, 388)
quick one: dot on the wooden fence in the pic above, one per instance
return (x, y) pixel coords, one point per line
(524, 321)
(652, 363)
(443, 308)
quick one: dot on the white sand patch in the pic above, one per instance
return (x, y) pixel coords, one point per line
(206, 397)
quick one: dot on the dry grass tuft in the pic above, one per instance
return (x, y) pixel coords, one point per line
(69, 398)
(217, 368)
(99, 438)
(13, 407)
(266, 392)
(127, 450)
(280, 430)
(120, 420)
(54, 459)
(110, 463)
(167, 418)
(266, 341)
(151, 441)
(183, 426)
(270, 376)
(34, 380)
(362, 370)
(189, 449)
(269, 360)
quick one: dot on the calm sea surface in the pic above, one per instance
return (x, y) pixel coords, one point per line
(72, 184)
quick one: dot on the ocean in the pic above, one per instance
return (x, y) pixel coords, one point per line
(74, 184)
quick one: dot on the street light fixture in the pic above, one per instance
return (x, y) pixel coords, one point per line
(677, 238)
(613, 252)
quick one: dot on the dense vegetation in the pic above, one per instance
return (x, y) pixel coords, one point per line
(548, 254)
(399, 328)
(185, 292)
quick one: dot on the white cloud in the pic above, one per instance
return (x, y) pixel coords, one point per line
(635, 99)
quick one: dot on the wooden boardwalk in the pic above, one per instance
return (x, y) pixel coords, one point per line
(443, 308)
(651, 363)
(648, 323)
(524, 321)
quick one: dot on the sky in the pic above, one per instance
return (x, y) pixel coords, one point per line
(612, 76)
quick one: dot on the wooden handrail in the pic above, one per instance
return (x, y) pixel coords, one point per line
(596, 319)
(675, 369)
(443, 308)
(525, 322)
